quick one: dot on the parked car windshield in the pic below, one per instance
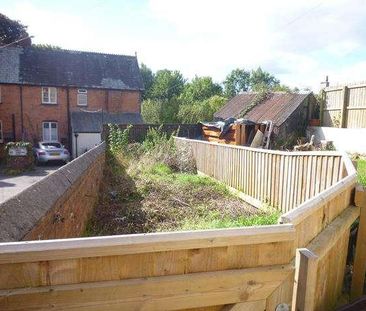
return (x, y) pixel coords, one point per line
(52, 145)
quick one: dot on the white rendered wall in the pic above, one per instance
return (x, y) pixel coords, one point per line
(352, 140)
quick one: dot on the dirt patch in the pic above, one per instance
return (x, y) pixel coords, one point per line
(140, 198)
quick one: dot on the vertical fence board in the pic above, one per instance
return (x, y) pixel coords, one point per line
(281, 179)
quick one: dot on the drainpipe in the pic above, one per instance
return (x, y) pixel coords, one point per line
(69, 134)
(21, 111)
(76, 144)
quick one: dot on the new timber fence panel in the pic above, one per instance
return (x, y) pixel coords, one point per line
(280, 179)
(359, 266)
(320, 267)
(345, 106)
(169, 271)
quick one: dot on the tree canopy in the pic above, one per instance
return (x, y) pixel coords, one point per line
(260, 80)
(147, 78)
(166, 85)
(170, 98)
(200, 88)
(238, 80)
(46, 46)
(12, 31)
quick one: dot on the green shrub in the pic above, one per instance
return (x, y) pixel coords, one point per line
(117, 138)
(156, 138)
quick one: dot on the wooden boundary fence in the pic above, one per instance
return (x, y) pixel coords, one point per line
(280, 179)
(138, 131)
(246, 269)
(345, 106)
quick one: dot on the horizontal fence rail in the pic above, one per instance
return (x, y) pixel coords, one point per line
(280, 179)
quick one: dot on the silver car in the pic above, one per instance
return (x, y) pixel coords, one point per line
(46, 151)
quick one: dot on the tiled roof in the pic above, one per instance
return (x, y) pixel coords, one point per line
(53, 67)
(92, 122)
(277, 107)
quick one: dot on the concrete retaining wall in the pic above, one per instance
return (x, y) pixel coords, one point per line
(59, 205)
(352, 140)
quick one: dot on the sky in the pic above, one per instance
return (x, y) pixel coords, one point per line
(300, 42)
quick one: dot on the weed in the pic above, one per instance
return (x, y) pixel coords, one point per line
(361, 172)
(214, 220)
(117, 138)
(153, 186)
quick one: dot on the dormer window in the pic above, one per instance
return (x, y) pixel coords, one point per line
(49, 95)
(82, 97)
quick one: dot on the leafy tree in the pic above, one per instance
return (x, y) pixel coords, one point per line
(46, 46)
(236, 81)
(150, 111)
(201, 111)
(147, 78)
(200, 88)
(12, 31)
(160, 111)
(260, 80)
(167, 84)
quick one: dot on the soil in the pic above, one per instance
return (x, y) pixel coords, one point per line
(154, 202)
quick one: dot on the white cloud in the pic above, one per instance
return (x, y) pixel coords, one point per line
(299, 41)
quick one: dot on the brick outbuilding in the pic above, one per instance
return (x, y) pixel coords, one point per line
(41, 88)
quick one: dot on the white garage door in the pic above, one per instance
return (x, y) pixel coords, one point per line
(85, 142)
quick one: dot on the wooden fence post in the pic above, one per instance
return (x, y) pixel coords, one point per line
(343, 121)
(305, 280)
(321, 108)
(359, 265)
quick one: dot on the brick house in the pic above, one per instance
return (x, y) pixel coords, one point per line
(41, 89)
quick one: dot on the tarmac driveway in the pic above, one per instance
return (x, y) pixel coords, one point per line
(12, 185)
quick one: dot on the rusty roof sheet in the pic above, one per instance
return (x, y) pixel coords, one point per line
(277, 107)
(235, 105)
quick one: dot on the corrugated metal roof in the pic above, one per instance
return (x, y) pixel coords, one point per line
(277, 107)
(235, 105)
(57, 67)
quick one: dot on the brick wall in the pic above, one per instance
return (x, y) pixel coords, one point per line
(59, 205)
(10, 104)
(34, 112)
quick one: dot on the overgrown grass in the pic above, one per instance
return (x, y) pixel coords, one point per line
(153, 187)
(163, 172)
(214, 220)
(361, 171)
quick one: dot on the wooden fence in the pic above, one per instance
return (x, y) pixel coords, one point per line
(227, 269)
(280, 179)
(138, 131)
(345, 106)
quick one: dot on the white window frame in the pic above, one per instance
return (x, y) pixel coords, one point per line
(49, 129)
(1, 132)
(82, 97)
(49, 90)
